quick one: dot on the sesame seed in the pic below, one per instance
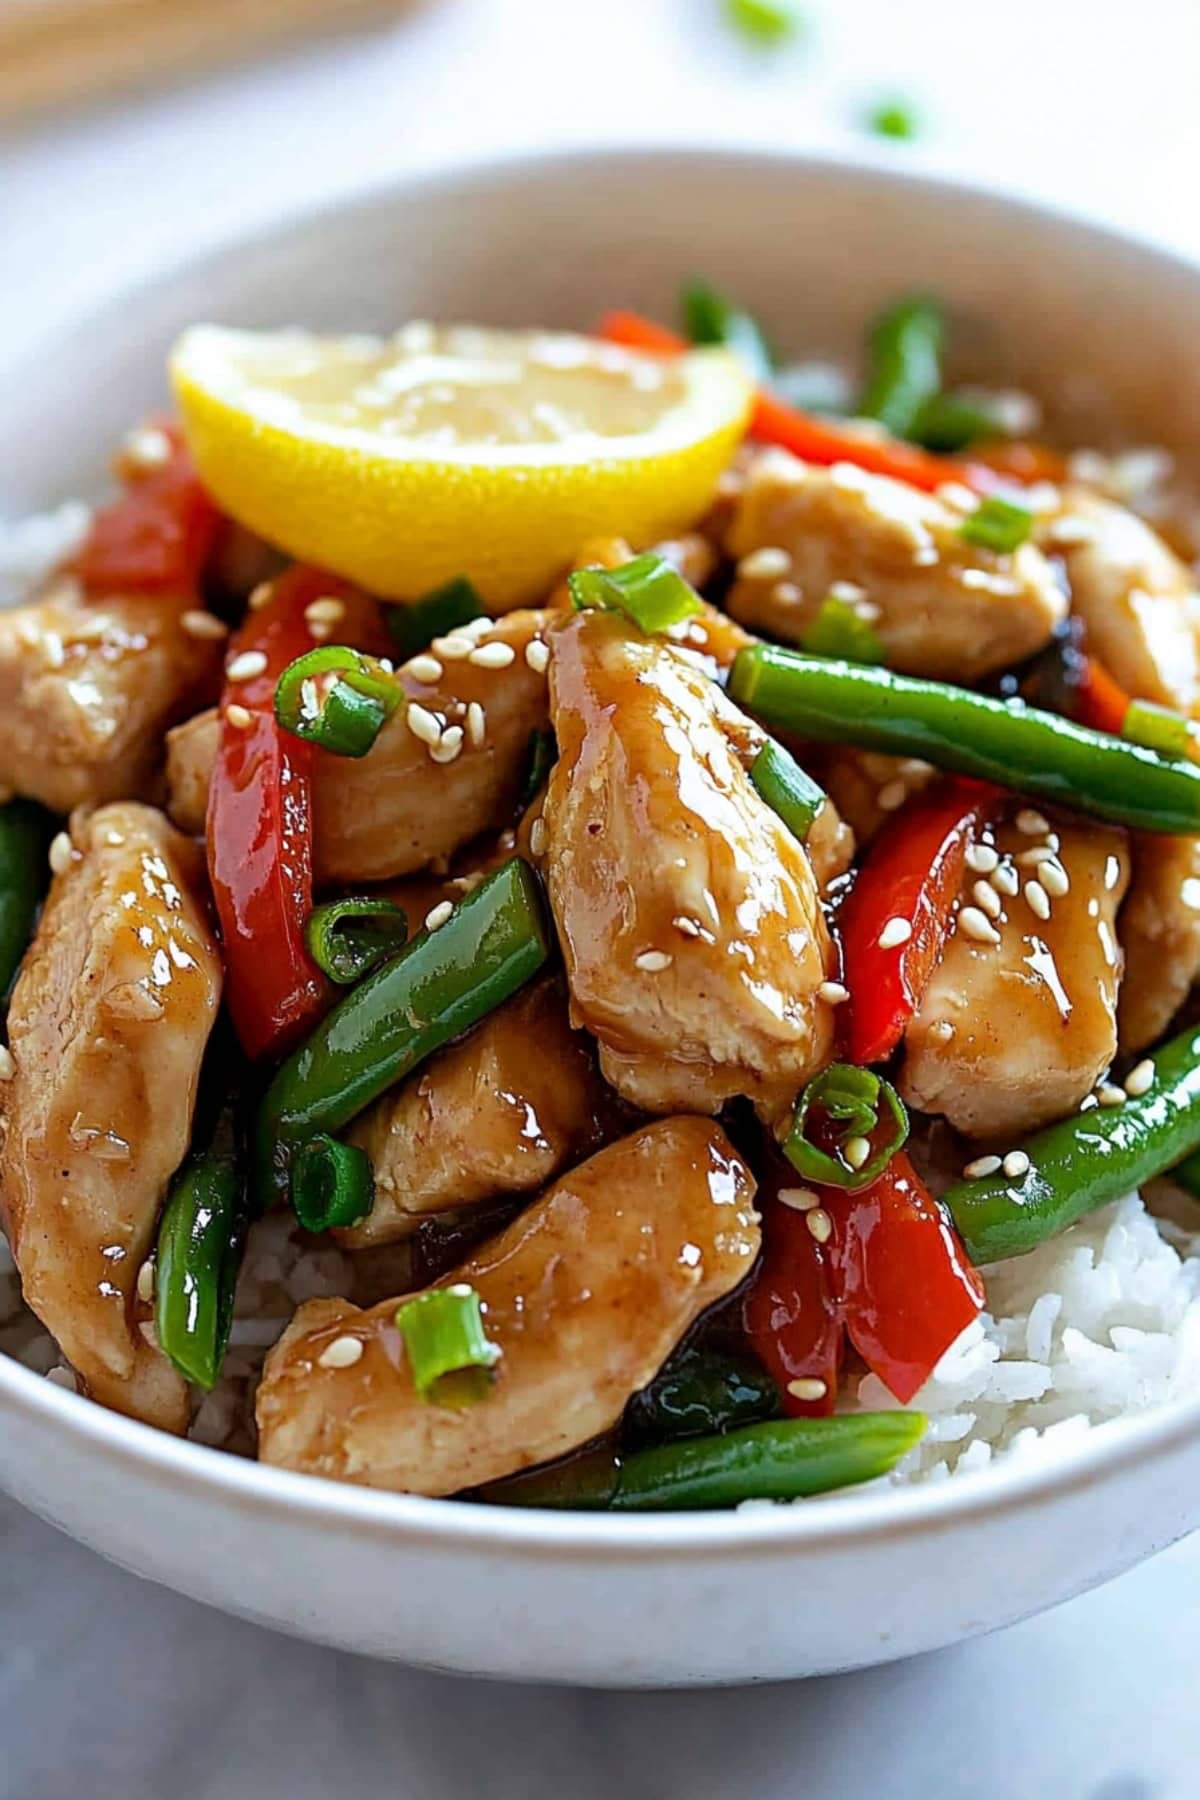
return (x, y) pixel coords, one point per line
(856, 1151)
(1006, 881)
(1140, 1080)
(833, 993)
(820, 1224)
(1089, 1103)
(437, 915)
(451, 649)
(1031, 823)
(8, 1067)
(61, 853)
(146, 447)
(199, 624)
(1054, 879)
(239, 716)
(848, 592)
(983, 1165)
(260, 596)
(783, 593)
(145, 1282)
(941, 1031)
(1109, 1094)
(897, 931)
(688, 927)
(423, 724)
(1016, 1164)
(770, 563)
(981, 858)
(653, 962)
(537, 655)
(891, 797)
(447, 746)
(537, 837)
(476, 724)
(988, 898)
(327, 611)
(1071, 529)
(246, 665)
(1038, 899)
(1033, 859)
(868, 612)
(425, 668)
(149, 1334)
(978, 926)
(807, 1387)
(800, 1199)
(343, 1353)
(492, 656)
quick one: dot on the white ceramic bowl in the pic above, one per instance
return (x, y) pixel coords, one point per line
(815, 247)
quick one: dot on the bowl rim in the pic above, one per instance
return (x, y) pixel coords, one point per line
(851, 1518)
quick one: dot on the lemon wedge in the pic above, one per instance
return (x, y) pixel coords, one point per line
(400, 462)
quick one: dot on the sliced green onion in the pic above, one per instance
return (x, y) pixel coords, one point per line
(541, 754)
(1157, 728)
(786, 788)
(331, 1183)
(904, 364)
(336, 698)
(709, 318)
(950, 422)
(997, 524)
(858, 1115)
(650, 590)
(894, 119)
(413, 627)
(768, 23)
(839, 631)
(449, 1352)
(347, 938)
(201, 1238)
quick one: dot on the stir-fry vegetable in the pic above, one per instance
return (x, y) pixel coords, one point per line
(1086, 1160)
(331, 1183)
(791, 1312)
(788, 1459)
(787, 790)
(201, 1239)
(765, 22)
(413, 627)
(649, 589)
(336, 698)
(1157, 728)
(1001, 741)
(997, 524)
(839, 631)
(700, 1392)
(1100, 703)
(894, 119)
(25, 833)
(259, 833)
(449, 1352)
(541, 757)
(348, 938)
(894, 921)
(848, 1125)
(157, 536)
(440, 984)
(904, 371)
(709, 318)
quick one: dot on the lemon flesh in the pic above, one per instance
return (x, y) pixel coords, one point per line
(400, 462)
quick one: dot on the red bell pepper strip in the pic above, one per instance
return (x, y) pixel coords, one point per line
(814, 440)
(790, 1312)
(157, 536)
(913, 871)
(259, 833)
(1099, 701)
(905, 1286)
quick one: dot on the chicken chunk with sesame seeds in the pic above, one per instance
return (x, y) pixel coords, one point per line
(1030, 994)
(447, 765)
(865, 786)
(108, 1025)
(1160, 935)
(87, 689)
(940, 606)
(689, 917)
(499, 1113)
(585, 1295)
(1138, 601)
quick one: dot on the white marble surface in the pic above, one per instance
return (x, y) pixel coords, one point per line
(109, 1685)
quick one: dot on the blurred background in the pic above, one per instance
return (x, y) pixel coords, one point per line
(130, 132)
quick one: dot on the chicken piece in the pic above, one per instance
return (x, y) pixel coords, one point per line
(401, 807)
(689, 916)
(865, 786)
(940, 606)
(87, 689)
(1012, 1034)
(1160, 935)
(107, 1028)
(499, 1113)
(585, 1294)
(1137, 600)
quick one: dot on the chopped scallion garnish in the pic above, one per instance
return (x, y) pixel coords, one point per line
(649, 589)
(894, 119)
(999, 525)
(415, 625)
(449, 1352)
(331, 1183)
(848, 1125)
(336, 698)
(709, 318)
(787, 790)
(347, 938)
(904, 364)
(840, 632)
(765, 22)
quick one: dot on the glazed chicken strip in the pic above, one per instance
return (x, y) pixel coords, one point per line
(1013, 1033)
(87, 689)
(107, 1028)
(585, 1294)
(1136, 598)
(688, 915)
(1160, 935)
(447, 765)
(499, 1113)
(940, 606)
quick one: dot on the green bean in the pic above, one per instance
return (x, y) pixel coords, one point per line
(201, 1238)
(699, 1392)
(25, 833)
